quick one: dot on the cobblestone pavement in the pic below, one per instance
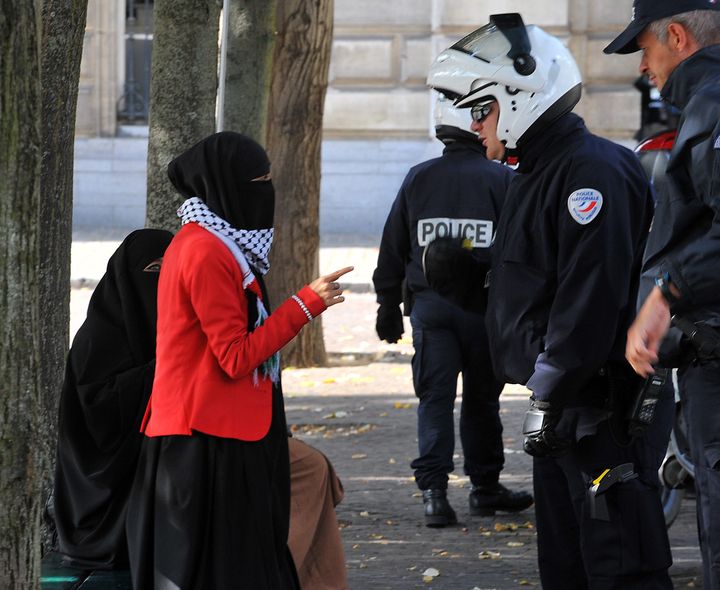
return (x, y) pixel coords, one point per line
(360, 411)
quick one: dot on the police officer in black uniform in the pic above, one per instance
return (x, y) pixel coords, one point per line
(680, 41)
(562, 292)
(456, 195)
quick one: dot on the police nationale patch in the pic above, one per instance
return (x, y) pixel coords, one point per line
(585, 204)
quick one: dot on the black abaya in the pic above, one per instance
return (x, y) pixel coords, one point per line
(108, 378)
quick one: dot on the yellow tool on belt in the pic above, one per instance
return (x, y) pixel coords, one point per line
(602, 483)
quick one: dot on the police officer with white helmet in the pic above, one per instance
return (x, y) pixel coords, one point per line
(455, 197)
(563, 285)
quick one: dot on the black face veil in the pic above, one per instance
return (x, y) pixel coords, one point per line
(220, 170)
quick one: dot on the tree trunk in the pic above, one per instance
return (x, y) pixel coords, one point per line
(182, 95)
(62, 44)
(299, 81)
(22, 464)
(38, 41)
(251, 40)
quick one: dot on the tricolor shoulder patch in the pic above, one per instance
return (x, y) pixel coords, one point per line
(585, 204)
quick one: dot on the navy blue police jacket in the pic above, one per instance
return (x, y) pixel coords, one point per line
(566, 263)
(457, 194)
(685, 237)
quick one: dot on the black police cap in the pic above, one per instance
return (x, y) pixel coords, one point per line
(648, 11)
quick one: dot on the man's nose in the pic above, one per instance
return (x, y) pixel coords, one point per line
(643, 67)
(476, 127)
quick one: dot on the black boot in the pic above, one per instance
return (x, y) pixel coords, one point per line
(486, 500)
(438, 512)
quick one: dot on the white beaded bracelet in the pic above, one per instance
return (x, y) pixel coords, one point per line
(302, 305)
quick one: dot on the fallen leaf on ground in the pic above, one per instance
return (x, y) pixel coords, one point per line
(362, 379)
(402, 405)
(359, 456)
(489, 555)
(515, 544)
(430, 574)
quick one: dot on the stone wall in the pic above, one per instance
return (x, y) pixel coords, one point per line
(381, 52)
(102, 69)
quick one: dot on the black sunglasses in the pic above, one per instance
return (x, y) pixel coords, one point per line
(480, 111)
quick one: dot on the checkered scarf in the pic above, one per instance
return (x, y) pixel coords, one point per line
(243, 244)
(254, 243)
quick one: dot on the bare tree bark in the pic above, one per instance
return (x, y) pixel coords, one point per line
(40, 50)
(62, 44)
(297, 97)
(22, 465)
(251, 41)
(182, 95)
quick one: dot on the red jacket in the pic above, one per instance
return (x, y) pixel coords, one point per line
(205, 354)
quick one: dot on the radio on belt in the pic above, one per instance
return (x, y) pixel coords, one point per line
(642, 412)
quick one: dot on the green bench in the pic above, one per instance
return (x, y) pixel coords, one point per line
(58, 576)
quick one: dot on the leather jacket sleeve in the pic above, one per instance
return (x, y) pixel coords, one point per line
(394, 251)
(695, 171)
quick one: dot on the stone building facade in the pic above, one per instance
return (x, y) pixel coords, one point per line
(381, 52)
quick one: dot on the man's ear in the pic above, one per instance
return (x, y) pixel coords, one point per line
(681, 41)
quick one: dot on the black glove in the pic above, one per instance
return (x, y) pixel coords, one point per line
(389, 325)
(454, 271)
(539, 431)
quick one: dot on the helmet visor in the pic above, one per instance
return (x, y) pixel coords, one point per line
(487, 43)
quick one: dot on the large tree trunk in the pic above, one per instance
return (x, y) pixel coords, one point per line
(297, 97)
(182, 95)
(22, 462)
(62, 44)
(38, 41)
(251, 39)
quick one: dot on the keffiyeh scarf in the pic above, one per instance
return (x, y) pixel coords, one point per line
(247, 247)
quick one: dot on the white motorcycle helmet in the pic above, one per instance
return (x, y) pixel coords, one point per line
(530, 73)
(451, 123)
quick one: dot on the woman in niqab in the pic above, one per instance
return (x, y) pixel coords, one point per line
(210, 502)
(108, 378)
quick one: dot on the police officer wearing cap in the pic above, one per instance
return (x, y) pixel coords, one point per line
(680, 44)
(458, 195)
(563, 285)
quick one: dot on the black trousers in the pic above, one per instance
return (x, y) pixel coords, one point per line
(630, 551)
(449, 341)
(700, 397)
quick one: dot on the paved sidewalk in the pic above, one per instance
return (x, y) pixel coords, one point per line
(360, 412)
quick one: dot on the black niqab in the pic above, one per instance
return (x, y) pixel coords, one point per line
(220, 170)
(108, 379)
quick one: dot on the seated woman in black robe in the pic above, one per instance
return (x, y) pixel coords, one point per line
(108, 379)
